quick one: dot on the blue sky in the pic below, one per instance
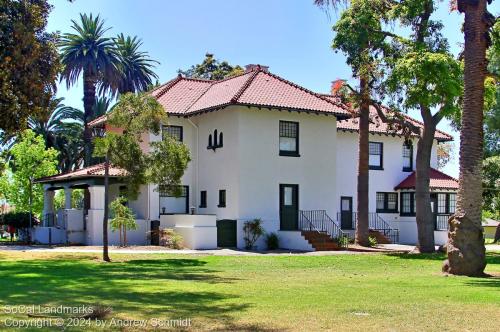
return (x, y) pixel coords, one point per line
(292, 37)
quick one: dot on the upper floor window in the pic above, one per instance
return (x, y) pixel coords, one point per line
(173, 131)
(387, 202)
(375, 151)
(289, 138)
(215, 140)
(407, 157)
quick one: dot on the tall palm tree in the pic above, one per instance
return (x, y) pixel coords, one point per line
(88, 52)
(62, 129)
(465, 248)
(135, 67)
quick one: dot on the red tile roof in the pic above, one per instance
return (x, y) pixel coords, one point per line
(379, 127)
(439, 180)
(87, 172)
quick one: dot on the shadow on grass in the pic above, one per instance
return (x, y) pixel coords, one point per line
(153, 288)
(491, 257)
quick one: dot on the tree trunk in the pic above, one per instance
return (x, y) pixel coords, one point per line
(105, 254)
(363, 168)
(465, 248)
(121, 239)
(424, 215)
(124, 236)
(497, 234)
(89, 97)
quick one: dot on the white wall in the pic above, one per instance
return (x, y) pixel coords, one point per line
(198, 231)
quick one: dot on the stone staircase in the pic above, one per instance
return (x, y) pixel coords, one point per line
(320, 241)
(379, 236)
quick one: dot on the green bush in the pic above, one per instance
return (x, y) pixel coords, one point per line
(253, 230)
(18, 219)
(372, 241)
(272, 241)
(169, 238)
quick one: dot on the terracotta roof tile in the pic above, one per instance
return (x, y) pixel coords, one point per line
(91, 171)
(379, 127)
(439, 180)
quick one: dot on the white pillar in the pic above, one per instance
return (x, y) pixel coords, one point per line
(96, 197)
(67, 197)
(48, 203)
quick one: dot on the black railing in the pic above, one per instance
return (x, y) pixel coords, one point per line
(442, 222)
(376, 223)
(319, 221)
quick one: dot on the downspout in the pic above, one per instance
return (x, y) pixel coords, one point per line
(195, 193)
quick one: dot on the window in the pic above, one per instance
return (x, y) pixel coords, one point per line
(289, 138)
(452, 203)
(407, 157)
(203, 199)
(387, 202)
(173, 131)
(222, 198)
(217, 142)
(375, 151)
(441, 206)
(173, 199)
(407, 204)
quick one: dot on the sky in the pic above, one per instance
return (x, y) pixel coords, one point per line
(292, 37)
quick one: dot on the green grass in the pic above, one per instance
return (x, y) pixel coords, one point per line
(357, 292)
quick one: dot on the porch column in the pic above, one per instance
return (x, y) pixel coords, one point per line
(67, 197)
(96, 197)
(48, 202)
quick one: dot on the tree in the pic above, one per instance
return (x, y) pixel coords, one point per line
(212, 69)
(444, 154)
(164, 165)
(29, 65)
(136, 68)
(359, 36)
(465, 247)
(90, 53)
(123, 219)
(30, 160)
(491, 190)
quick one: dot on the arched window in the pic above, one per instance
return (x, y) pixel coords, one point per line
(210, 141)
(221, 140)
(215, 138)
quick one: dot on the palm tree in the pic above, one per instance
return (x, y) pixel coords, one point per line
(87, 51)
(465, 248)
(135, 67)
(62, 129)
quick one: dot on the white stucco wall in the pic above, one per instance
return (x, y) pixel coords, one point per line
(198, 231)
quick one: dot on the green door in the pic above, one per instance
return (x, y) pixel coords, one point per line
(289, 207)
(226, 233)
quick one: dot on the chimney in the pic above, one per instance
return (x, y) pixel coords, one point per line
(252, 67)
(336, 85)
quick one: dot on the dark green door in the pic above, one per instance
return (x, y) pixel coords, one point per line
(346, 212)
(226, 233)
(289, 207)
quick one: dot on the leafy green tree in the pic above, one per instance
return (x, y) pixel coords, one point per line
(90, 53)
(123, 219)
(163, 165)
(212, 69)
(29, 62)
(31, 160)
(359, 35)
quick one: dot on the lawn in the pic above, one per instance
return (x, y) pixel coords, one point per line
(355, 292)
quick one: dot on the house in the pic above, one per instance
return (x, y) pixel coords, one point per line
(261, 147)
(490, 228)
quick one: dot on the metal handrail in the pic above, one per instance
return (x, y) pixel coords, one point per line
(320, 221)
(376, 223)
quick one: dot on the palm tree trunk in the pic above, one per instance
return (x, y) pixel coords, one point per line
(89, 96)
(105, 254)
(363, 165)
(465, 248)
(424, 215)
(497, 234)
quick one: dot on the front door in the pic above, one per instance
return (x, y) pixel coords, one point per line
(155, 232)
(346, 212)
(289, 207)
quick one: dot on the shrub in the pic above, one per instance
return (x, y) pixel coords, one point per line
(18, 219)
(253, 230)
(372, 241)
(169, 238)
(273, 242)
